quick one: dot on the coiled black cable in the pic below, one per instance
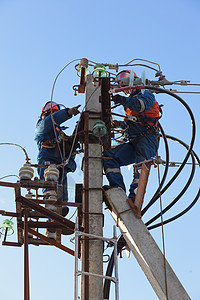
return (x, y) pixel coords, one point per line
(160, 90)
(181, 193)
(193, 155)
(106, 289)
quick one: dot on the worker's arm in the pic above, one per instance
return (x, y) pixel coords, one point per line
(45, 126)
(140, 103)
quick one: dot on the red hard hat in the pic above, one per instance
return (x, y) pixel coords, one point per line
(48, 107)
(124, 73)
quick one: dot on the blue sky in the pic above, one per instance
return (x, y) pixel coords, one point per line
(37, 39)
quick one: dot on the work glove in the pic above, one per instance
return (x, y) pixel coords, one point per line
(74, 110)
(115, 124)
(118, 99)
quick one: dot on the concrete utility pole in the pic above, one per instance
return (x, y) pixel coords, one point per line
(92, 250)
(156, 268)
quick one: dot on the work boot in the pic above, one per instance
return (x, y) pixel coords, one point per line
(134, 208)
(132, 197)
(107, 187)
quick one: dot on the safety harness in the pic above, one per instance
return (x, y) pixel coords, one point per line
(64, 140)
(53, 143)
(149, 119)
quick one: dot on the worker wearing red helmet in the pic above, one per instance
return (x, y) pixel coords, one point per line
(48, 136)
(140, 125)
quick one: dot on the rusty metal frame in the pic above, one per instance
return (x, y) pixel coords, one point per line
(24, 208)
(51, 241)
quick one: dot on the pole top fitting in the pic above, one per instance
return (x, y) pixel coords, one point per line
(83, 63)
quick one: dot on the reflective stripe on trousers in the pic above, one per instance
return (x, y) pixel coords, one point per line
(124, 155)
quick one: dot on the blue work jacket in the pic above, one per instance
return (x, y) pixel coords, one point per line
(44, 131)
(137, 103)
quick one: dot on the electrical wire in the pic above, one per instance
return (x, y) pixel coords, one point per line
(178, 215)
(9, 176)
(65, 162)
(155, 197)
(192, 203)
(12, 144)
(140, 65)
(77, 126)
(182, 92)
(181, 193)
(143, 60)
(106, 288)
(189, 149)
(54, 83)
(53, 121)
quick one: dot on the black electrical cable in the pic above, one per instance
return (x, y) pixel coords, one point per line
(160, 90)
(106, 289)
(181, 193)
(178, 215)
(107, 282)
(192, 203)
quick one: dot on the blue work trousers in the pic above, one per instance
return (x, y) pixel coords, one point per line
(126, 154)
(61, 180)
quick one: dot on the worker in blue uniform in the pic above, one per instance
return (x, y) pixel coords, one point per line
(140, 125)
(52, 148)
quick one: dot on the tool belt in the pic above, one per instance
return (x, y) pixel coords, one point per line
(150, 130)
(65, 142)
(51, 144)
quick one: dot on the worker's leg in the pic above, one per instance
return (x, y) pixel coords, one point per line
(146, 148)
(134, 185)
(121, 155)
